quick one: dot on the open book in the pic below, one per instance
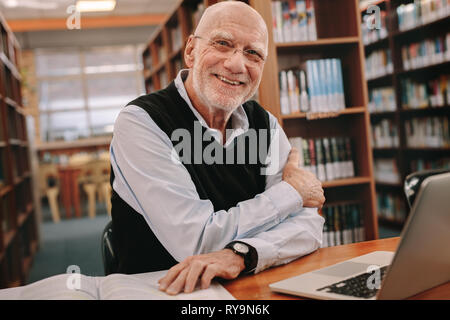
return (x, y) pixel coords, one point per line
(143, 286)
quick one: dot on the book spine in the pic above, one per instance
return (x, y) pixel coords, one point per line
(306, 155)
(304, 98)
(313, 157)
(312, 32)
(302, 21)
(336, 159)
(340, 84)
(317, 86)
(292, 92)
(323, 82)
(311, 85)
(279, 17)
(321, 175)
(287, 34)
(284, 93)
(329, 168)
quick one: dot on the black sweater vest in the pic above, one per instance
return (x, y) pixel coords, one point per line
(136, 247)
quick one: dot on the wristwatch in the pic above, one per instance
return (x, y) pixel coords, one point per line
(247, 252)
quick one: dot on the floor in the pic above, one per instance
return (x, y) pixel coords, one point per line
(70, 242)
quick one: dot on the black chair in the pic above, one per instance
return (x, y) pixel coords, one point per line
(110, 264)
(414, 180)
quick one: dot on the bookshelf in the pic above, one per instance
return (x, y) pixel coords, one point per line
(410, 96)
(338, 36)
(18, 232)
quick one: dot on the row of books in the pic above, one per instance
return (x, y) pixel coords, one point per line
(386, 171)
(426, 53)
(294, 21)
(424, 94)
(318, 87)
(391, 207)
(373, 30)
(421, 12)
(378, 64)
(381, 99)
(428, 132)
(344, 224)
(329, 158)
(428, 164)
(385, 134)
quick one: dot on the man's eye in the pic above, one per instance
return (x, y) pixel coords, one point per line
(223, 43)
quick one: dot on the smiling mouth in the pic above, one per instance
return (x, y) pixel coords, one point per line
(227, 81)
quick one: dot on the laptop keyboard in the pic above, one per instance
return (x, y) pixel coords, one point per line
(356, 286)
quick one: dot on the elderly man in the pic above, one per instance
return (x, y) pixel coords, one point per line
(210, 219)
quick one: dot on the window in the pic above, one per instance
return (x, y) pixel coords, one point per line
(81, 91)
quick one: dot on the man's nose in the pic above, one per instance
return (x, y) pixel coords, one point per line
(235, 62)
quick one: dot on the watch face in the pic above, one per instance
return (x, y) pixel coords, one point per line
(240, 247)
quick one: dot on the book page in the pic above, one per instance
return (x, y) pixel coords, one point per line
(54, 288)
(144, 286)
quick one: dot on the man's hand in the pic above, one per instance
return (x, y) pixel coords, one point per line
(204, 267)
(306, 183)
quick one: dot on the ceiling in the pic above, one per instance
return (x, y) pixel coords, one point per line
(44, 9)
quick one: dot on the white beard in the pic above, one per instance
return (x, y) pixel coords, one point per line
(211, 97)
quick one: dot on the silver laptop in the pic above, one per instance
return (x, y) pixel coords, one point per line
(421, 262)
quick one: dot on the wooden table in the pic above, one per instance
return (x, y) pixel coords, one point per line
(256, 287)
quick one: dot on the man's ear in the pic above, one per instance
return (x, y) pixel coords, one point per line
(189, 52)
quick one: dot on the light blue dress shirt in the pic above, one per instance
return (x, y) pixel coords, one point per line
(162, 191)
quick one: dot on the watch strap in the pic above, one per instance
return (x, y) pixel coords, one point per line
(250, 258)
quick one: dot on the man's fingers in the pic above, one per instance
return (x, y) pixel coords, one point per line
(171, 276)
(194, 273)
(178, 284)
(210, 272)
(294, 157)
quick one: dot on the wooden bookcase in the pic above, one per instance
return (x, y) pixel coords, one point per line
(339, 36)
(18, 232)
(394, 41)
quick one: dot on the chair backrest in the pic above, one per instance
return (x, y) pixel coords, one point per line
(413, 181)
(110, 264)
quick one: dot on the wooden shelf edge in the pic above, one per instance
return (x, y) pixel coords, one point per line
(325, 115)
(425, 68)
(318, 42)
(346, 182)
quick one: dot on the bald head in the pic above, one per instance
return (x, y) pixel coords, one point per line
(232, 12)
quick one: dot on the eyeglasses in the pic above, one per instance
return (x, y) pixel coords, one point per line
(253, 57)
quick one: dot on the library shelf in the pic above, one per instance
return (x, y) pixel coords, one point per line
(405, 156)
(18, 223)
(338, 26)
